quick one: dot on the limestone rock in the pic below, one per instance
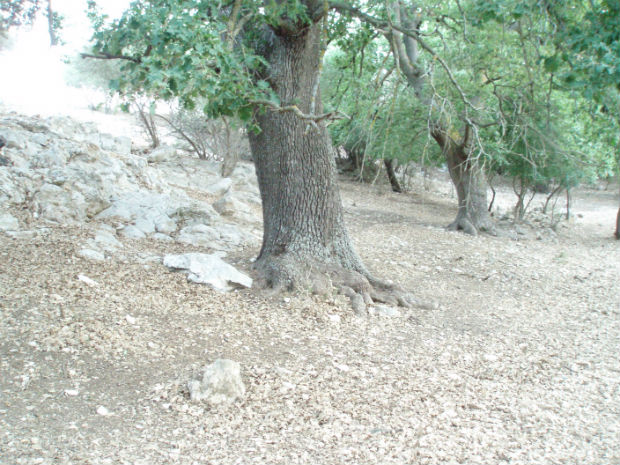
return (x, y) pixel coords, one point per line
(161, 154)
(219, 187)
(200, 235)
(132, 232)
(112, 143)
(8, 222)
(92, 254)
(208, 269)
(221, 383)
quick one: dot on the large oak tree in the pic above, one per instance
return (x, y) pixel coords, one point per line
(260, 61)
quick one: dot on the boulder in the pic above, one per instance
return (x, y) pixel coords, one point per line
(219, 187)
(161, 154)
(132, 232)
(199, 235)
(233, 204)
(221, 384)
(8, 222)
(208, 269)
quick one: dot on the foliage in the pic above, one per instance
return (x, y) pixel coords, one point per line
(94, 74)
(514, 72)
(16, 13)
(498, 77)
(583, 55)
(184, 50)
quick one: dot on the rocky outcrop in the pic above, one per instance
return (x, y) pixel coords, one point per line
(61, 171)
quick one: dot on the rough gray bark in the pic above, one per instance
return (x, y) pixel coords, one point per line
(305, 241)
(470, 182)
(468, 178)
(302, 211)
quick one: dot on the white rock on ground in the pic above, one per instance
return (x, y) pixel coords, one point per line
(8, 222)
(200, 235)
(221, 383)
(161, 154)
(235, 205)
(91, 254)
(208, 269)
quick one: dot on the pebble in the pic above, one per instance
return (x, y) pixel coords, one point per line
(104, 412)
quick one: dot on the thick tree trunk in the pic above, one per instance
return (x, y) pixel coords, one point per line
(304, 229)
(305, 242)
(389, 168)
(470, 183)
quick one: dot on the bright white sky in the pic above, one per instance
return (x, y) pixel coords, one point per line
(32, 72)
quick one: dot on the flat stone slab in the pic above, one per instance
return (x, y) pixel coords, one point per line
(208, 269)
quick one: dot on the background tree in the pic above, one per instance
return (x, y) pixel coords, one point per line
(16, 13)
(588, 37)
(261, 62)
(478, 72)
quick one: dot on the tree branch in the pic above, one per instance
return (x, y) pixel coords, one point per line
(109, 56)
(311, 118)
(386, 29)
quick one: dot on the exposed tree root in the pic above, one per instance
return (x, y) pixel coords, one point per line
(363, 290)
(465, 223)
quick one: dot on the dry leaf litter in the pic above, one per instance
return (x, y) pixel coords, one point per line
(519, 365)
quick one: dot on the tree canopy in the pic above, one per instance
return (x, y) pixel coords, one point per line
(513, 80)
(16, 13)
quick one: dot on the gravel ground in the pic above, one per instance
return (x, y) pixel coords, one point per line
(519, 365)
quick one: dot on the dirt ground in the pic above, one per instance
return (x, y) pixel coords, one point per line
(519, 365)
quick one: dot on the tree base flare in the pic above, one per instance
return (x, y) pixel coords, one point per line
(286, 273)
(465, 223)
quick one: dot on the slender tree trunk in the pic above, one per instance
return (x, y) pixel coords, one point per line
(470, 183)
(50, 24)
(389, 168)
(618, 225)
(304, 227)
(469, 179)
